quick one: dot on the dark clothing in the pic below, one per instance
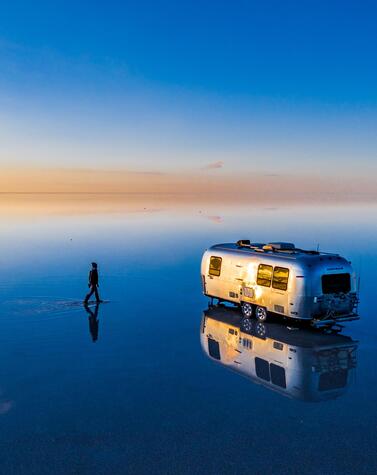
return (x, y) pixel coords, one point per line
(93, 328)
(93, 322)
(93, 285)
(93, 290)
(93, 277)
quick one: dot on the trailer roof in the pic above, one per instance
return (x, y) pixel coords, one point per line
(293, 254)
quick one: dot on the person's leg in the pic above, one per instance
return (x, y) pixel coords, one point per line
(92, 290)
(96, 294)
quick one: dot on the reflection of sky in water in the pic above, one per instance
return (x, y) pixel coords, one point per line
(144, 386)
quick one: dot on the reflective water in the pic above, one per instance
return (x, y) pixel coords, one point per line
(294, 361)
(130, 386)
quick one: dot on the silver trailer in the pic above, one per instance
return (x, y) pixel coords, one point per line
(278, 277)
(298, 363)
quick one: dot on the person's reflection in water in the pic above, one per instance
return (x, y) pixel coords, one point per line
(93, 321)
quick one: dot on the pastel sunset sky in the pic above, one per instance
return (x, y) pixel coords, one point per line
(188, 96)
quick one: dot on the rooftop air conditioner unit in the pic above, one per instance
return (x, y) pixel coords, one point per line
(280, 246)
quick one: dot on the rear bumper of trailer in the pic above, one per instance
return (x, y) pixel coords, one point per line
(319, 323)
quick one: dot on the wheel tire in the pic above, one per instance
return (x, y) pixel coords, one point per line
(261, 314)
(247, 310)
(246, 325)
(260, 329)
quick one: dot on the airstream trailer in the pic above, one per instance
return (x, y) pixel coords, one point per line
(299, 363)
(278, 277)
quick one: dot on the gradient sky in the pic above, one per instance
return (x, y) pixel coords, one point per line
(271, 88)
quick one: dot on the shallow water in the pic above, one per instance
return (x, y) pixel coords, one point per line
(130, 389)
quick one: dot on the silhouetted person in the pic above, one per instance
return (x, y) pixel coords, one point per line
(93, 322)
(93, 284)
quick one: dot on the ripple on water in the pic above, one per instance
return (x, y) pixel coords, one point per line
(44, 307)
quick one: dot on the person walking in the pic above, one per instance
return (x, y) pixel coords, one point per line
(93, 284)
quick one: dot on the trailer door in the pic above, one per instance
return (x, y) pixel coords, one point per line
(279, 290)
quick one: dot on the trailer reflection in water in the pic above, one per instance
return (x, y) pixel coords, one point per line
(299, 363)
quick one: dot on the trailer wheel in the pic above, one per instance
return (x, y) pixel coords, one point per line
(260, 329)
(247, 309)
(246, 325)
(261, 314)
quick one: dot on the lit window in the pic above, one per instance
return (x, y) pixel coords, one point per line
(280, 279)
(215, 266)
(264, 275)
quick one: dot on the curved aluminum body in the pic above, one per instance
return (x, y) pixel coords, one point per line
(301, 364)
(303, 297)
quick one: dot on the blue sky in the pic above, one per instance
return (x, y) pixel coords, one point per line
(267, 86)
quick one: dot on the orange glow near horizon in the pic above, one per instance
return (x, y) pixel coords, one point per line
(24, 180)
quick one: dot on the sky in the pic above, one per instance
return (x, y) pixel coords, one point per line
(193, 92)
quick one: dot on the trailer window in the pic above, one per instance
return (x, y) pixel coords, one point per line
(280, 279)
(264, 276)
(336, 283)
(215, 266)
(333, 380)
(262, 369)
(278, 375)
(214, 349)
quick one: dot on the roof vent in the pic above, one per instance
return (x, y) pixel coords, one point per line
(243, 243)
(279, 246)
(257, 245)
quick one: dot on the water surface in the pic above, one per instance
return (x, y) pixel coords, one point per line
(129, 387)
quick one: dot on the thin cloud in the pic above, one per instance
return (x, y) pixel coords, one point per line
(215, 219)
(214, 165)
